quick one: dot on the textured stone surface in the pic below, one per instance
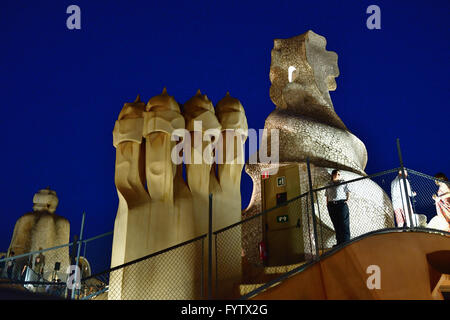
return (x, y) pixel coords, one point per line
(310, 128)
(325, 145)
(157, 207)
(305, 116)
(42, 229)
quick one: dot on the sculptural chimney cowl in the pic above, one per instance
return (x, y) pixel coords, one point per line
(43, 228)
(159, 207)
(302, 72)
(304, 114)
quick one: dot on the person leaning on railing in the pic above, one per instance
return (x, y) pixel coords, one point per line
(337, 197)
(11, 266)
(442, 201)
(2, 264)
(39, 264)
(28, 264)
(401, 200)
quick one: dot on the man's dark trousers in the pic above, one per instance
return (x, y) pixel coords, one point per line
(339, 215)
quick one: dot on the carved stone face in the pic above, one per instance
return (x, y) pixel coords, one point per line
(197, 105)
(313, 77)
(163, 102)
(323, 63)
(132, 110)
(200, 108)
(45, 200)
(231, 114)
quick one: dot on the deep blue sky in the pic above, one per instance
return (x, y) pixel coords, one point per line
(61, 90)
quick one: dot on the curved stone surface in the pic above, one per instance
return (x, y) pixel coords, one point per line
(325, 145)
(305, 116)
(156, 204)
(42, 229)
(302, 73)
(315, 70)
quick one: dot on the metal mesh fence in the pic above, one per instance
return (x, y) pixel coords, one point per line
(41, 265)
(47, 270)
(228, 260)
(262, 247)
(283, 238)
(423, 188)
(96, 253)
(171, 274)
(41, 271)
(380, 201)
(246, 255)
(369, 208)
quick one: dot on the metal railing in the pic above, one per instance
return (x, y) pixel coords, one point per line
(243, 254)
(171, 274)
(14, 266)
(52, 275)
(277, 280)
(177, 272)
(249, 252)
(378, 203)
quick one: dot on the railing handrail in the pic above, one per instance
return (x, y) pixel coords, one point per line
(23, 255)
(357, 179)
(97, 237)
(333, 251)
(103, 276)
(261, 213)
(424, 175)
(301, 196)
(145, 257)
(54, 248)
(95, 293)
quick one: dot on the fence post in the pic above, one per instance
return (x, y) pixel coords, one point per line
(202, 274)
(405, 186)
(78, 254)
(84, 250)
(210, 249)
(316, 242)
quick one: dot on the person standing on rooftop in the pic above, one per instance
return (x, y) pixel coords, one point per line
(337, 195)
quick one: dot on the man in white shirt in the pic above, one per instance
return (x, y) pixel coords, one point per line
(401, 200)
(337, 197)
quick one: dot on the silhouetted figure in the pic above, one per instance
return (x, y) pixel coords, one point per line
(28, 266)
(337, 197)
(39, 264)
(2, 265)
(11, 266)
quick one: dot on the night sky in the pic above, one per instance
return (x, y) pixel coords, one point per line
(61, 90)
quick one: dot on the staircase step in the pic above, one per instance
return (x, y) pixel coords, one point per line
(444, 288)
(246, 288)
(445, 283)
(282, 269)
(272, 273)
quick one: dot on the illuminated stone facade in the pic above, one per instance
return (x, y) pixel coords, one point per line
(309, 127)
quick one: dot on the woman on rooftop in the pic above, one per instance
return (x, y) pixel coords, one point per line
(442, 200)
